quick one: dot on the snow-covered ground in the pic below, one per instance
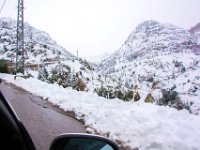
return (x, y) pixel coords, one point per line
(138, 125)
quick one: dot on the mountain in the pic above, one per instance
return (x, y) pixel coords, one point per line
(158, 63)
(40, 47)
(150, 38)
(158, 53)
(196, 31)
(44, 58)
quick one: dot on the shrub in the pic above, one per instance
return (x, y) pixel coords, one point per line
(43, 74)
(82, 68)
(3, 66)
(102, 92)
(128, 95)
(67, 67)
(177, 63)
(150, 79)
(120, 95)
(114, 93)
(172, 99)
(173, 96)
(168, 98)
(136, 96)
(53, 77)
(79, 85)
(183, 69)
(149, 98)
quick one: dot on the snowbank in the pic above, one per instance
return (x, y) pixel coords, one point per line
(141, 125)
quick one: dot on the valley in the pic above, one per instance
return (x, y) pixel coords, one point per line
(154, 53)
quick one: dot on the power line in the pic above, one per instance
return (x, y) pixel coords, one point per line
(2, 6)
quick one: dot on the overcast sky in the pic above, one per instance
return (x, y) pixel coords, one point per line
(94, 27)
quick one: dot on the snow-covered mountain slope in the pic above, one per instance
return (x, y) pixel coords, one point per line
(40, 47)
(196, 31)
(43, 50)
(132, 125)
(162, 53)
(151, 39)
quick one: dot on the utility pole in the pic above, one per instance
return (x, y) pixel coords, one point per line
(20, 38)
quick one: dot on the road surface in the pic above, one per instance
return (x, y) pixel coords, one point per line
(42, 120)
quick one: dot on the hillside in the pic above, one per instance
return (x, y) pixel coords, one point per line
(158, 53)
(196, 31)
(44, 58)
(131, 125)
(157, 63)
(40, 47)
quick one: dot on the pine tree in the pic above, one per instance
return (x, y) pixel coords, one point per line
(43, 74)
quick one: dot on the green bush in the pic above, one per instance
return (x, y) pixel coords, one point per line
(3, 66)
(171, 98)
(43, 74)
(113, 93)
(128, 95)
(120, 95)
